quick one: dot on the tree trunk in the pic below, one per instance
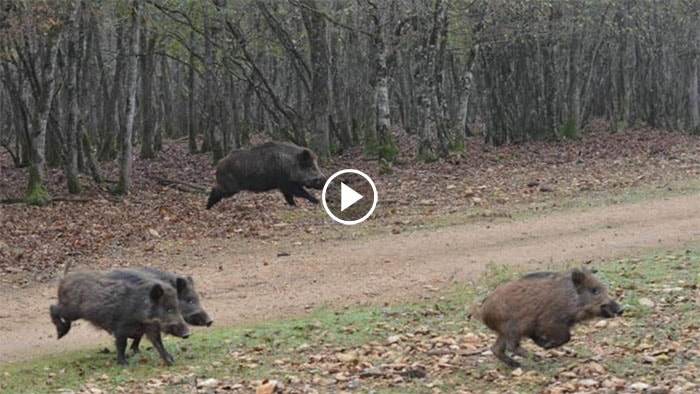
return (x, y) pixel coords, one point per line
(72, 129)
(166, 98)
(693, 94)
(427, 96)
(131, 80)
(381, 88)
(212, 129)
(466, 87)
(147, 64)
(36, 192)
(339, 92)
(111, 125)
(315, 25)
(191, 125)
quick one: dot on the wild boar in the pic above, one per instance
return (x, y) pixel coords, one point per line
(272, 165)
(543, 306)
(187, 296)
(125, 310)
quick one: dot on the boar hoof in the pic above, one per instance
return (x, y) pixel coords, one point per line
(520, 352)
(511, 363)
(168, 360)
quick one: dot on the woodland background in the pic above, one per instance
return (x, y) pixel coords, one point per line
(84, 83)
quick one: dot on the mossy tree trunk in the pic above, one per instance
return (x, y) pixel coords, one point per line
(36, 190)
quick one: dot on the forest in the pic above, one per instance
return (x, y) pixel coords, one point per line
(83, 83)
(524, 216)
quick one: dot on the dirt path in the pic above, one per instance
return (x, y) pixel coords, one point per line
(246, 282)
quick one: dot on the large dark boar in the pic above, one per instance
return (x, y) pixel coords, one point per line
(187, 296)
(124, 309)
(272, 165)
(543, 306)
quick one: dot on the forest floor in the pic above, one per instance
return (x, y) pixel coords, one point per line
(35, 243)
(437, 226)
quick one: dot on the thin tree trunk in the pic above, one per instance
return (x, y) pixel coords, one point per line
(132, 80)
(339, 92)
(315, 25)
(191, 125)
(111, 125)
(72, 130)
(693, 94)
(147, 111)
(381, 88)
(36, 192)
(212, 129)
(166, 97)
(466, 87)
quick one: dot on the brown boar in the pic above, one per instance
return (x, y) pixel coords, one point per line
(124, 309)
(272, 165)
(543, 306)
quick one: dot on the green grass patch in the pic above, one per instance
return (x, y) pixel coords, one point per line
(334, 350)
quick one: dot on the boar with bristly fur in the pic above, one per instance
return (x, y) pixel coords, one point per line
(125, 310)
(188, 298)
(272, 165)
(543, 306)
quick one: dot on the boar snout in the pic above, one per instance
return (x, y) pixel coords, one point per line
(317, 183)
(611, 309)
(199, 319)
(178, 330)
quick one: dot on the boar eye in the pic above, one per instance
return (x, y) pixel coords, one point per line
(190, 301)
(595, 290)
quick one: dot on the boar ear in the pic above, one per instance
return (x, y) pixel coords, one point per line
(190, 280)
(305, 157)
(180, 284)
(156, 291)
(578, 277)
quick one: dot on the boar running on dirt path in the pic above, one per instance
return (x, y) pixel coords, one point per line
(188, 298)
(123, 309)
(543, 306)
(272, 165)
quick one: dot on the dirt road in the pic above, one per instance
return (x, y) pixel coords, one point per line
(245, 282)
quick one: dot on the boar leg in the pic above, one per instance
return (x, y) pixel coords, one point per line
(288, 196)
(299, 191)
(120, 341)
(553, 336)
(135, 344)
(499, 350)
(155, 338)
(62, 325)
(518, 350)
(217, 195)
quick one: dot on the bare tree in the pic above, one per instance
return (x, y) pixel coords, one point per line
(125, 160)
(315, 24)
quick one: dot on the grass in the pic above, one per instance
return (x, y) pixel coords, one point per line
(651, 344)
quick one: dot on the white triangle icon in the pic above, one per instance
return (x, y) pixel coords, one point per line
(348, 196)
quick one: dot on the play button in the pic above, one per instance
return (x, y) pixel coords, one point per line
(349, 197)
